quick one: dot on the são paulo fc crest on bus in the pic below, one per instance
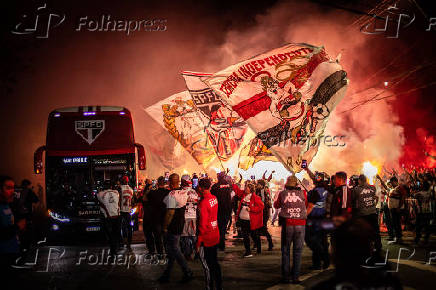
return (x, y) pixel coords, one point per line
(89, 130)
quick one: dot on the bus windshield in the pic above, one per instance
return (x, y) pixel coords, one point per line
(75, 179)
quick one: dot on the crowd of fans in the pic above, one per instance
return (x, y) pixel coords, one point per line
(187, 218)
(314, 212)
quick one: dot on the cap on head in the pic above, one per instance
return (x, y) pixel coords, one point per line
(292, 181)
(228, 179)
(25, 182)
(125, 179)
(221, 175)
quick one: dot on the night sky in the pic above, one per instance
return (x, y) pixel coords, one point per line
(73, 68)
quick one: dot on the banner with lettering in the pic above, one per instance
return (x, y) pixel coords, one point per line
(178, 115)
(286, 96)
(224, 127)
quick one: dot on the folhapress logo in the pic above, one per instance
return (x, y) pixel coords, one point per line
(39, 24)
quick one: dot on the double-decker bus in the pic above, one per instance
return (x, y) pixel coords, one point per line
(84, 147)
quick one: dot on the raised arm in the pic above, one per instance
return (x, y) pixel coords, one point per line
(382, 182)
(310, 173)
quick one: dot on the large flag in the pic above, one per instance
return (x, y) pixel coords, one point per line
(224, 127)
(178, 115)
(254, 152)
(286, 96)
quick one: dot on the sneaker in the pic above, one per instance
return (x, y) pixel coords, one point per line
(285, 281)
(325, 265)
(399, 241)
(187, 277)
(247, 255)
(164, 279)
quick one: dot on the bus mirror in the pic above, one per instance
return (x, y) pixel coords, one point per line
(37, 160)
(141, 156)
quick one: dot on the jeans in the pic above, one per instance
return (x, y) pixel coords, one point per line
(396, 222)
(316, 240)
(211, 267)
(263, 231)
(153, 238)
(372, 220)
(113, 233)
(292, 235)
(126, 227)
(388, 221)
(276, 215)
(423, 222)
(246, 233)
(223, 221)
(174, 254)
(187, 245)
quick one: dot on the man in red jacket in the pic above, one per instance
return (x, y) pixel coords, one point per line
(208, 235)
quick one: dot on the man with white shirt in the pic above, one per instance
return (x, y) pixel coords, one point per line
(109, 200)
(190, 229)
(174, 223)
(126, 207)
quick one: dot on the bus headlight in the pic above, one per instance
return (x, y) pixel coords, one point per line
(58, 217)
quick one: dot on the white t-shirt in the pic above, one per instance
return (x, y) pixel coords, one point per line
(109, 200)
(126, 198)
(394, 198)
(176, 198)
(191, 203)
(378, 193)
(245, 204)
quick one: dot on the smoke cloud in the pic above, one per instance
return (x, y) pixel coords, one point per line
(109, 68)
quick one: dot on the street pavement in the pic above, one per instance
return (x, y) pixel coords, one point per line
(83, 266)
